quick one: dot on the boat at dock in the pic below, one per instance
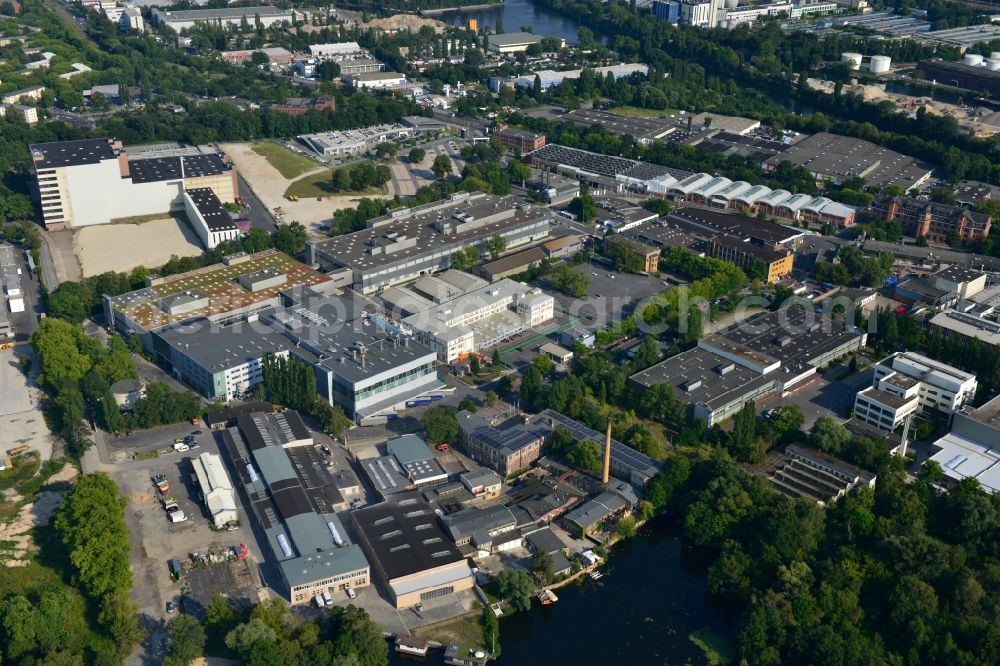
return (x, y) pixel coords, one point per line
(596, 575)
(547, 597)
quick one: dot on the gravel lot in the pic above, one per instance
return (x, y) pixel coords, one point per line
(19, 407)
(99, 248)
(155, 540)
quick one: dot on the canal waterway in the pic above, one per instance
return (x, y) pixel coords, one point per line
(518, 13)
(642, 611)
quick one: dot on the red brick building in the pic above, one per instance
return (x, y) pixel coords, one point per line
(513, 139)
(296, 106)
(936, 222)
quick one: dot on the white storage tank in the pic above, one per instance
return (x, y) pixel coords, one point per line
(993, 64)
(995, 55)
(973, 60)
(853, 58)
(732, 4)
(879, 64)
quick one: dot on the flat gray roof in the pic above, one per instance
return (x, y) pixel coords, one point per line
(514, 38)
(409, 233)
(697, 378)
(217, 348)
(841, 157)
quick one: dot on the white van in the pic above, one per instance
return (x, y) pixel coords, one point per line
(318, 600)
(181, 446)
(328, 598)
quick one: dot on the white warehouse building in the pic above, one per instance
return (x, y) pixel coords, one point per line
(906, 383)
(94, 181)
(216, 489)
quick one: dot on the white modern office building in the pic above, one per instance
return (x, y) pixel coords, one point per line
(481, 319)
(906, 383)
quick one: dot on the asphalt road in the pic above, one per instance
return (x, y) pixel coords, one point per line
(260, 216)
(47, 267)
(26, 322)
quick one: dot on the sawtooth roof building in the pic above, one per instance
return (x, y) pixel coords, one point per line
(411, 242)
(294, 500)
(415, 561)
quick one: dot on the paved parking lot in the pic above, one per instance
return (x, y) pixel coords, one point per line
(822, 397)
(611, 296)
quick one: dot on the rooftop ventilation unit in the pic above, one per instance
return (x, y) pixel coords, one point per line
(691, 385)
(725, 369)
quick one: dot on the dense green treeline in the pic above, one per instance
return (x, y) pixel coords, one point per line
(898, 574)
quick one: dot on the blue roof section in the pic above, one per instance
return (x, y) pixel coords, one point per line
(409, 449)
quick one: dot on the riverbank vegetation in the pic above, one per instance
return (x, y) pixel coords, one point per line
(898, 574)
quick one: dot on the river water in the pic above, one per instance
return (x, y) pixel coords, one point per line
(518, 13)
(640, 612)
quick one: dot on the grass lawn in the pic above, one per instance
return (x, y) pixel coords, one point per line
(22, 468)
(717, 648)
(287, 163)
(465, 631)
(318, 185)
(636, 112)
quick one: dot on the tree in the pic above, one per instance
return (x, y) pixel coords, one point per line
(495, 245)
(496, 360)
(441, 166)
(531, 384)
(786, 420)
(327, 70)
(56, 343)
(120, 617)
(516, 588)
(829, 436)
(517, 171)
(475, 365)
(491, 630)
(744, 430)
(491, 398)
(290, 238)
(569, 281)
(91, 523)
(626, 527)
(467, 405)
(358, 635)
(417, 155)
(440, 425)
(583, 207)
(187, 640)
(543, 567)
(243, 638)
(18, 624)
(465, 258)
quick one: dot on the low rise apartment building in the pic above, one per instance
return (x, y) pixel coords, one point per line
(938, 223)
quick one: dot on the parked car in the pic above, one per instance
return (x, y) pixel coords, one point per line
(442, 447)
(351, 594)
(328, 598)
(181, 446)
(171, 607)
